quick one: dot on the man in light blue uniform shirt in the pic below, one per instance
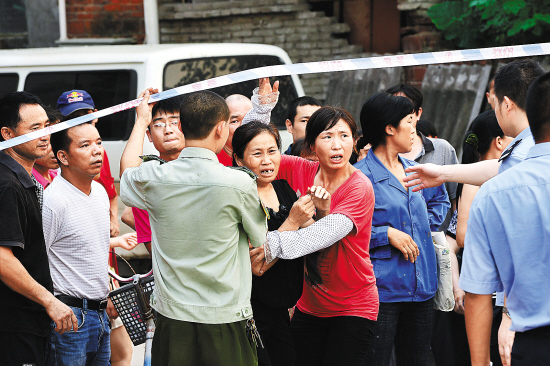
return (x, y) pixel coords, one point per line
(507, 246)
(510, 86)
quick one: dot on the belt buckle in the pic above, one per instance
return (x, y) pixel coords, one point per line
(103, 305)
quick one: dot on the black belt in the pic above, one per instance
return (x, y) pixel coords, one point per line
(79, 303)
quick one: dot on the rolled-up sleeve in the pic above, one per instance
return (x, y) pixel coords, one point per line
(437, 201)
(379, 236)
(254, 219)
(131, 188)
(479, 274)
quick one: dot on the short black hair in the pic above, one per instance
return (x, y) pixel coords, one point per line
(200, 112)
(61, 140)
(537, 107)
(10, 106)
(54, 115)
(245, 133)
(324, 119)
(426, 128)
(171, 105)
(411, 92)
(298, 102)
(513, 80)
(379, 111)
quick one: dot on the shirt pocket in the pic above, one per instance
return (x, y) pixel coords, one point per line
(382, 252)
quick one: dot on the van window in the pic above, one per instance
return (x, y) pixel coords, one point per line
(182, 72)
(107, 88)
(8, 83)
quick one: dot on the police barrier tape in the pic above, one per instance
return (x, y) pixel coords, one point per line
(299, 69)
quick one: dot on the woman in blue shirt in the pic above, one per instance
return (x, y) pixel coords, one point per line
(401, 247)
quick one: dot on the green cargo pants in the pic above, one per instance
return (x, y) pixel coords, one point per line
(179, 343)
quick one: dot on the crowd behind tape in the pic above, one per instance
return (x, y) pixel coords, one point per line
(416, 59)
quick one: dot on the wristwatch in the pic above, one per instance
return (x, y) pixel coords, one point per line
(505, 311)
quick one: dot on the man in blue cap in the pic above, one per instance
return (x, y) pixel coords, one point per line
(75, 100)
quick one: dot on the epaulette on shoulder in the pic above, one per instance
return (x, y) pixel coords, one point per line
(508, 151)
(146, 158)
(246, 170)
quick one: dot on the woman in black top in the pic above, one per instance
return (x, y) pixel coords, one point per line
(257, 147)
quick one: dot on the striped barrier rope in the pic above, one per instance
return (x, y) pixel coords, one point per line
(378, 62)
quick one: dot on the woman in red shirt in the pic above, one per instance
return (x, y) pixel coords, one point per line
(334, 319)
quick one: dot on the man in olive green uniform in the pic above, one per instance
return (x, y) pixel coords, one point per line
(203, 216)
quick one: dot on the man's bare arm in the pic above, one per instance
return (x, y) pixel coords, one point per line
(128, 218)
(113, 212)
(478, 311)
(134, 147)
(16, 277)
(431, 175)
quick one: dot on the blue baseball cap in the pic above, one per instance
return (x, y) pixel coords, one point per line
(74, 100)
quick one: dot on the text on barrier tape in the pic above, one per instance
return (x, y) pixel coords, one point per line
(378, 62)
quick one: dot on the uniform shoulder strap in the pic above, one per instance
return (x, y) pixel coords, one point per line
(147, 158)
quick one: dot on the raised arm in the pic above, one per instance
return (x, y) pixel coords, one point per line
(134, 147)
(264, 99)
(431, 175)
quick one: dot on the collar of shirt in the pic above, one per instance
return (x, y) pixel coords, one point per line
(427, 146)
(23, 176)
(539, 150)
(198, 153)
(526, 133)
(40, 179)
(380, 172)
(517, 150)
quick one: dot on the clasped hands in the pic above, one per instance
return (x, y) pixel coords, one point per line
(315, 202)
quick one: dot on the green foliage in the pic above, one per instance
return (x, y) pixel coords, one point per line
(489, 23)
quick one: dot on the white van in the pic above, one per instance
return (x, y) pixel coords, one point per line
(116, 74)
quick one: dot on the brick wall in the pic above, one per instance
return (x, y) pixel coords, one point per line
(305, 35)
(105, 19)
(419, 34)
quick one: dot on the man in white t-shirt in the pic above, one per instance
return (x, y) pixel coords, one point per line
(77, 234)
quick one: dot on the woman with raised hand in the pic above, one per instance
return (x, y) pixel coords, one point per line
(334, 319)
(256, 146)
(401, 246)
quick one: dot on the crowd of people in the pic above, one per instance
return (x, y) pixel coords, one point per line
(321, 255)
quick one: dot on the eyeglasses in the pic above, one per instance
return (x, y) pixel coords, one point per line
(161, 125)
